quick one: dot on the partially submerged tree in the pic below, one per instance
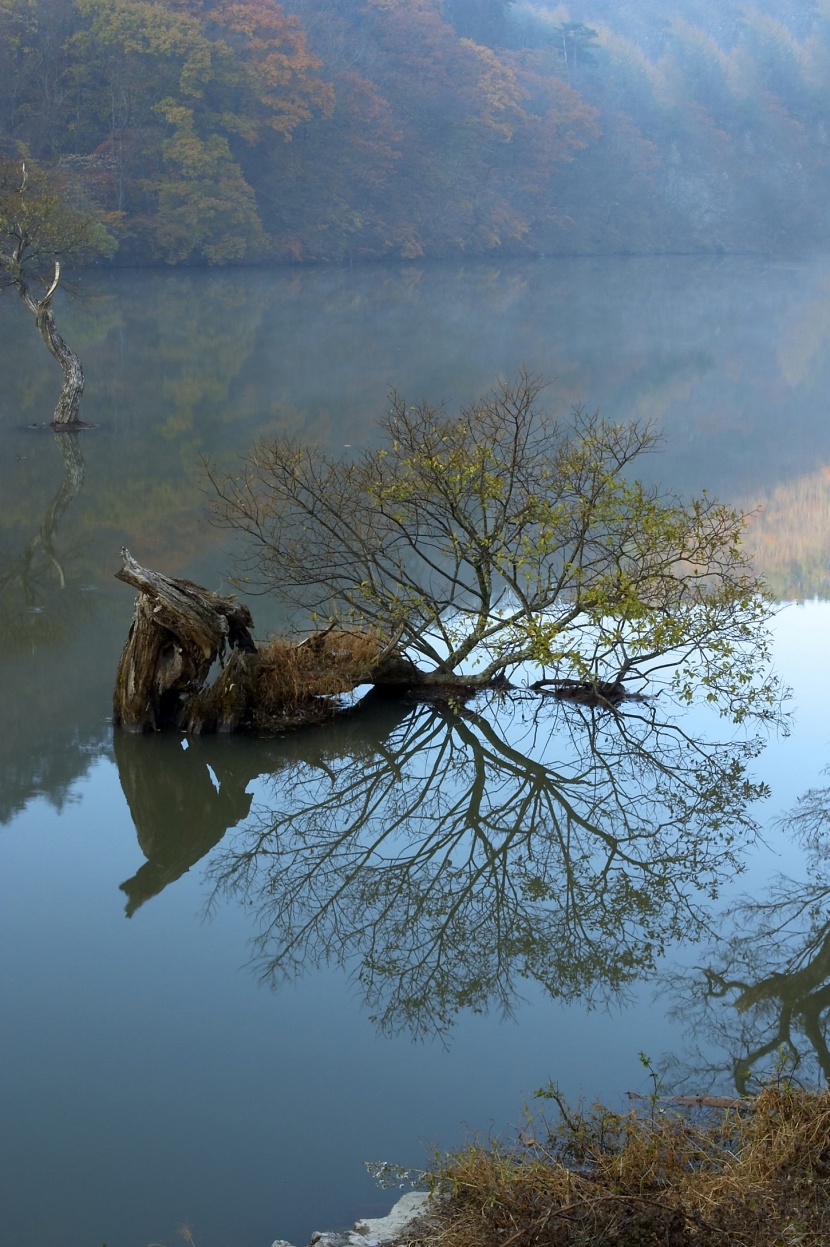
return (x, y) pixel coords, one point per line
(40, 230)
(500, 537)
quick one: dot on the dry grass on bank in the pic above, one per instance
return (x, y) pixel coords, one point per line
(756, 1176)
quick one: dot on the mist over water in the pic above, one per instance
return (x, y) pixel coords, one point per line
(150, 1077)
(233, 972)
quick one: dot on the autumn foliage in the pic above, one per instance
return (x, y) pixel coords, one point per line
(354, 129)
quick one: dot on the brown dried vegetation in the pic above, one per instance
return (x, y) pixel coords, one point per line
(757, 1175)
(286, 684)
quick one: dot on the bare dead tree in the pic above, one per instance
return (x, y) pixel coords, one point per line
(40, 228)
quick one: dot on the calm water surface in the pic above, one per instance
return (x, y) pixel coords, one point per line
(196, 1026)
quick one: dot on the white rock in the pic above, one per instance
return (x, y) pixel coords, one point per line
(382, 1229)
(374, 1231)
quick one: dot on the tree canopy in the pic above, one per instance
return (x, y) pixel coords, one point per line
(331, 130)
(501, 536)
(43, 220)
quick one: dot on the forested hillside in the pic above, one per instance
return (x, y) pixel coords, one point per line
(237, 130)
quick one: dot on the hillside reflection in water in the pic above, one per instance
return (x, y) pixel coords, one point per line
(407, 862)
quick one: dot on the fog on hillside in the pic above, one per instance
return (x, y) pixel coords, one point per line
(332, 130)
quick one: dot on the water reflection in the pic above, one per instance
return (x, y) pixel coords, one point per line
(28, 576)
(788, 536)
(181, 802)
(442, 855)
(43, 606)
(760, 999)
(731, 357)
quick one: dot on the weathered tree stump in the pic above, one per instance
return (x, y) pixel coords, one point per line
(179, 630)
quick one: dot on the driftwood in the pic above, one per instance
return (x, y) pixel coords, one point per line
(179, 631)
(598, 693)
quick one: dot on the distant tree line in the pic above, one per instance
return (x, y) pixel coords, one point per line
(234, 130)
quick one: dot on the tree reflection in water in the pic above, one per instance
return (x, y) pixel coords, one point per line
(762, 996)
(180, 812)
(29, 610)
(42, 607)
(471, 848)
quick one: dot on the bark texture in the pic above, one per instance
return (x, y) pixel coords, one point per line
(69, 403)
(179, 630)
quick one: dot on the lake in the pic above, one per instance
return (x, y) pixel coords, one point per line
(224, 986)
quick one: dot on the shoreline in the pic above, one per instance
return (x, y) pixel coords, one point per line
(373, 1231)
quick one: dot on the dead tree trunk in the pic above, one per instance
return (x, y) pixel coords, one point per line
(69, 403)
(178, 631)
